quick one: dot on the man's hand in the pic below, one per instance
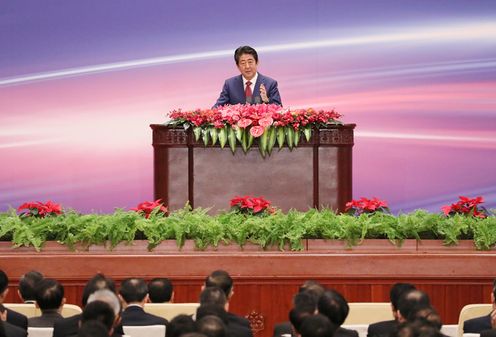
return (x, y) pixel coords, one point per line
(263, 94)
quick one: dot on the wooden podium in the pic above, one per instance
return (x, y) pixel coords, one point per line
(317, 173)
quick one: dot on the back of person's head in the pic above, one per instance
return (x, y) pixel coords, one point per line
(27, 285)
(427, 313)
(212, 309)
(306, 301)
(317, 326)
(107, 296)
(180, 325)
(193, 334)
(221, 279)
(418, 328)
(133, 290)
(213, 295)
(312, 287)
(211, 326)
(245, 50)
(49, 294)
(397, 290)
(99, 311)
(97, 282)
(160, 290)
(93, 328)
(409, 300)
(333, 305)
(297, 316)
(4, 282)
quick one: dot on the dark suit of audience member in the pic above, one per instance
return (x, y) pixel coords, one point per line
(233, 329)
(13, 331)
(283, 329)
(488, 333)
(134, 293)
(49, 295)
(382, 329)
(13, 317)
(477, 325)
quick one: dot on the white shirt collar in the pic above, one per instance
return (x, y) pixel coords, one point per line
(253, 81)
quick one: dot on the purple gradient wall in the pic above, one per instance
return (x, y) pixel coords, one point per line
(81, 81)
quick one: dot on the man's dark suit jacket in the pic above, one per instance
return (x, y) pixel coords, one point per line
(382, 329)
(233, 91)
(68, 327)
(136, 316)
(488, 333)
(15, 318)
(478, 324)
(342, 332)
(283, 328)
(46, 320)
(13, 331)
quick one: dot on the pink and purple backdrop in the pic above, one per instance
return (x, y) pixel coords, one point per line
(81, 81)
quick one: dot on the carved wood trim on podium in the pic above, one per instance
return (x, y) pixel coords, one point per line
(315, 174)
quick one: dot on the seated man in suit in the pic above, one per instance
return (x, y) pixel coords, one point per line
(27, 286)
(103, 306)
(385, 328)
(213, 309)
(211, 326)
(12, 316)
(160, 290)
(221, 279)
(134, 295)
(50, 299)
(478, 324)
(9, 330)
(251, 86)
(333, 305)
(317, 326)
(409, 301)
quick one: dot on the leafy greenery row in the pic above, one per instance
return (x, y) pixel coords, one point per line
(281, 229)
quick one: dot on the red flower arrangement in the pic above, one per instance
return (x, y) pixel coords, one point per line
(146, 208)
(466, 206)
(251, 205)
(365, 205)
(243, 123)
(39, 210)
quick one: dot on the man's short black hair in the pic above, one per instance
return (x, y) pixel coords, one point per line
(306, 301)
(4, 281)
(133, 290)
(93, 328)
(297, 316)
(245, 50)
(97, 282)
(49, 294)
(179, 325)
(27, 285)
(211, 326)
(397, 290)
(333, 305)
(160, 290)
(312, 287)
(317, 326)
(221, 279)
(213, 295)
(99, 311)
(410, 299)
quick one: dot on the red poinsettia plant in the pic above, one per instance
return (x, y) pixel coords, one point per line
(365, 205)
(252, 205)
(147, 207)
(467, 206)
(39, 209)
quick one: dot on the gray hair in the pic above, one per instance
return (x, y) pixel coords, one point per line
(108, 297)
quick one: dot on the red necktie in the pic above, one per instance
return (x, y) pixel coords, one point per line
(248, 92)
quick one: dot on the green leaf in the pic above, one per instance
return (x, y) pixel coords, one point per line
(213, 135)
(223, 137)
(197, 131)
(281, 135)
(263, 143)
(290, 134)
(307, 131)
(206, 136)
(244, 141)
(272, 139)
(297, 137)
(239, 133)
(231, 137)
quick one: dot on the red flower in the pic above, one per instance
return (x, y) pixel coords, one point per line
(147, 207)
(39, 209)
(365, 205)
(257, 131)
(265, 122)
(245, 122)
(466, 206)
(251, 205)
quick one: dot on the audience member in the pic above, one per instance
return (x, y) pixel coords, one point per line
(223, 280)
(49, 295)
(13, 317)
(160, 290)
(27, 286)
(179, 325)
(478, 324)
(134, 294)
(211, 326)
(69, 326)
(317, 326)
(233, 329)
(427, 313)
(418, 328)
(333, 305)
(408, 301)
(93, 328)
(385, 328)
(100, 311)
